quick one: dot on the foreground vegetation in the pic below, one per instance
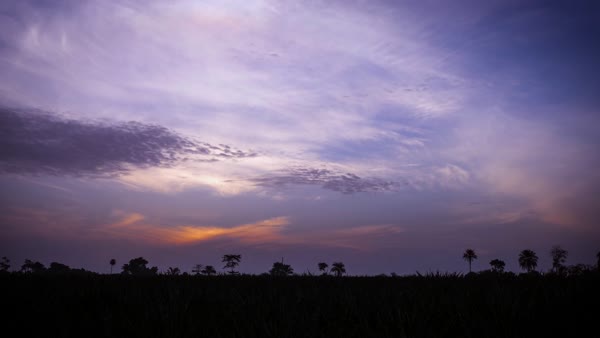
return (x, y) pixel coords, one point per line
(477, 305)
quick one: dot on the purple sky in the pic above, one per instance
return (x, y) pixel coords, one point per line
(390, 135)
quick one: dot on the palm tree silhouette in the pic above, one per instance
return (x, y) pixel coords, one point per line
(112, 263)
(338, 269)
(231, 261)
(173, 271)
(528, 260)
(323, 268)
(497, 265)
(559, 256)
(469, 256)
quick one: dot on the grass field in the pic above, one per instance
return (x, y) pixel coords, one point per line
(264, 306)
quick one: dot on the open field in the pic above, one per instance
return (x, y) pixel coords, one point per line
(298, 306)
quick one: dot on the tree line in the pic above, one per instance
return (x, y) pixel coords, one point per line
(139, 267)
(527, 260)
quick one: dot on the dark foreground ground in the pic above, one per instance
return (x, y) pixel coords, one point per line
(257, 306)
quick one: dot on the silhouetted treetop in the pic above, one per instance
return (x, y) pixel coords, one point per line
(338, 269)
(173, 271)
(323, 267)
(112, 263)
(469, 256)
(137, 266)
(559, 256)
(231, 261)
(528, 260)
(497, 265)
(209, 270)
(32, 267)
(281, 269)
(4, 264)
(56, 267)
(197, 269)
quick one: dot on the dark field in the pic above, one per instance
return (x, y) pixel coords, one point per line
(263, 306)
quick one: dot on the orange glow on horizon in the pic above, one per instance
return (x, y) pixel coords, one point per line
(131, 226)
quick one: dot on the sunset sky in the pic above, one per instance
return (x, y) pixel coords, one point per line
(389, 135)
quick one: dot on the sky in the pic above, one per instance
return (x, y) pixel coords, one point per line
(388, 135)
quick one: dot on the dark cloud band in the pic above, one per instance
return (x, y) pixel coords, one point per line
(36, 142)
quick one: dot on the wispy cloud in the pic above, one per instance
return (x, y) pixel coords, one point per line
(346, 183)
(533, 163)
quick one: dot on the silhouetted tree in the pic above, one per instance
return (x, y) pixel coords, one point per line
(4, 264)
(281, 269)
(578, 269)
(323, 268)
(528, 260)
(112, 263)
(209, 270)
(338, 268)
(32, 267)
(197, 269)
(173, 271)
(469, 256)
(231, 261)
(598, 262)
(56, 267)
(559, 256)
(497, 265)
(137, 266)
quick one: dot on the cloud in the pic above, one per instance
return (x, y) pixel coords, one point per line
(535, 162)
(272, 231)
(36, 142)
(319, 84)
(346, 183)
(133, 226)
(251, 73)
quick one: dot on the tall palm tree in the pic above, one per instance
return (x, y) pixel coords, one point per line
(338, 269)
(112, 263)
(231, 261)
(469, 256)
(559, 256)
(323, 268)
(528, 260)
